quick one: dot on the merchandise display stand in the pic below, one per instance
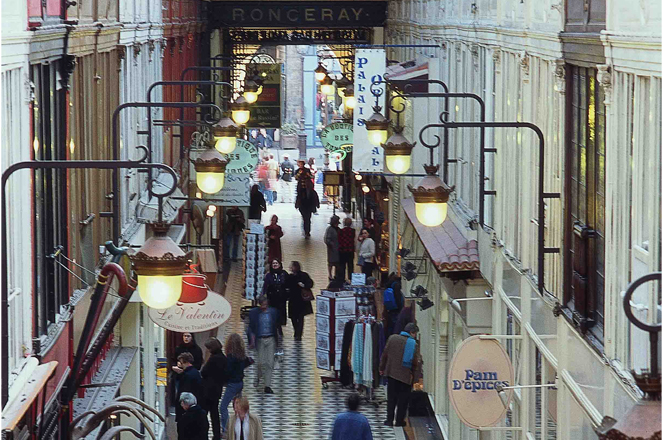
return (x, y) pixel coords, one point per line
(333, 310)
(253, 269)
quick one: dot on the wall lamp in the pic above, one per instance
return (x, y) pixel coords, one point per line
(240, 111)
(419, 291)
(455, 303)
(327, 86)
(225, 135)
(210, 170)
(320, 72)
(643, 420)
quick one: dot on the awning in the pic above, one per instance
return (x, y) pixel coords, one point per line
(111, 373)
(18, 406)
(400, 74)
(446, 245)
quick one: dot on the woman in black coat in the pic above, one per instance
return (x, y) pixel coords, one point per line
(297, 307)
(214, 378)
(188, 345)
(274, 288)
(258, 205)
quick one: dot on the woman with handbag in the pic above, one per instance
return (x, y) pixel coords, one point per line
(366, 253)
(298, 285)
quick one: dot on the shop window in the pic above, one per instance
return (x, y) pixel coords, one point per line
(585, 218)
(50, 204)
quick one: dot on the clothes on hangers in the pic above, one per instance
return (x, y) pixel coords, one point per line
(358, 353)
(346, 370)
(367, 365)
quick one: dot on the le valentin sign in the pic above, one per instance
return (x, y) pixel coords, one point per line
(199, 308)
(476, 368)
(334, 14)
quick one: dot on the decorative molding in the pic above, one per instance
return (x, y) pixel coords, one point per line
(180, 42)
(164, 45)
(524, 64)
(121, 55)
(151, 44)
(559, 72)
(136, 48)
(474, 50)
(458, 52)
(604, 77)
(497, 56)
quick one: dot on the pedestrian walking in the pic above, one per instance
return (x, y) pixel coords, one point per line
(366, 253)
(193, 424)
(308, 203)
(287, 171)
(346, 249)
(244, 425)
(258, 205)
(274, 234)
(401, 363)
(235, 224)
(274, 288)
(298, 306)
(331, 240)
(264, 324)
(302, 175)
(352, 425)
(189, 345)
(237, 362)
(189, 381)
(272, 178)
(393, 301)
(214, 378)
(312, 168)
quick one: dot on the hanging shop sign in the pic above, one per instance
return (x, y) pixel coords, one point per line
(335, 14)
(298, 36)
(370, 65)
(266, 111)
(236, 191)
(476, 368)
(337, 137)
(244, 159)
(199, 308)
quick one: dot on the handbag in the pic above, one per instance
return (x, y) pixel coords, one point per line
(307, 294)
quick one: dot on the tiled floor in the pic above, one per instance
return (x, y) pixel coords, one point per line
(300, 408)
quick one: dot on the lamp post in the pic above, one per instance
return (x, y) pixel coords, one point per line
(62, 165)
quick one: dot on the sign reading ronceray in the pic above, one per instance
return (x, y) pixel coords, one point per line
(478, 366)
(199, 308)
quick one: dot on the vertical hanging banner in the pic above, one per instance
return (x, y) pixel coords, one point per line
(370, 65)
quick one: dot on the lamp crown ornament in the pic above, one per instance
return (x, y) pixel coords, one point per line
(377, 121)
(210, 161)
(225, 127)
(397, 144)
(431, 189)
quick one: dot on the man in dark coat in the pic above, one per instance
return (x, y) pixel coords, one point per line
(190, 379)
(298, 308)
(193, 424)
(308, 203)
(233, 232)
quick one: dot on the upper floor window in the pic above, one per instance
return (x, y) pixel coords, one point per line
(50, 189)
(585, 15)
(585, 184)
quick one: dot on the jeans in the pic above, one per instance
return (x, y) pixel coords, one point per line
(232, 389)
(226, 246)
(269, 195)
(398, 395)
(298, 325)
(347, 261)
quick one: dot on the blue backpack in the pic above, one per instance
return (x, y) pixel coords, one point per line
(389, 299)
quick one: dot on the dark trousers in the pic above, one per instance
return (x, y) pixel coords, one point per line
(298, 325)
(398, 395)
(306, 216)
(346, 261)
(211, 405)
(368, 268)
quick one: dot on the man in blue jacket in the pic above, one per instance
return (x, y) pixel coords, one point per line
(352, 425)
(263, 326)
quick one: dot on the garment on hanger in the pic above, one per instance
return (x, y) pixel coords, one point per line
(367, 366)
(358, 353)
(346, 370)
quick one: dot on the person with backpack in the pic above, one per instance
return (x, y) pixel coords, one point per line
(392, 298)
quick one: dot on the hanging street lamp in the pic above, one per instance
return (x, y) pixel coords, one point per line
(377, 127)
(210, 171)
(327, 86)
(397, 152)
(251, 91)
(240, 111)
(160, 264)
(225, 135)
(349, 100)
(320, 72)
(430, 197)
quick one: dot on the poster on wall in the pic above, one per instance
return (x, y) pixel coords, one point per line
(370, 65)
